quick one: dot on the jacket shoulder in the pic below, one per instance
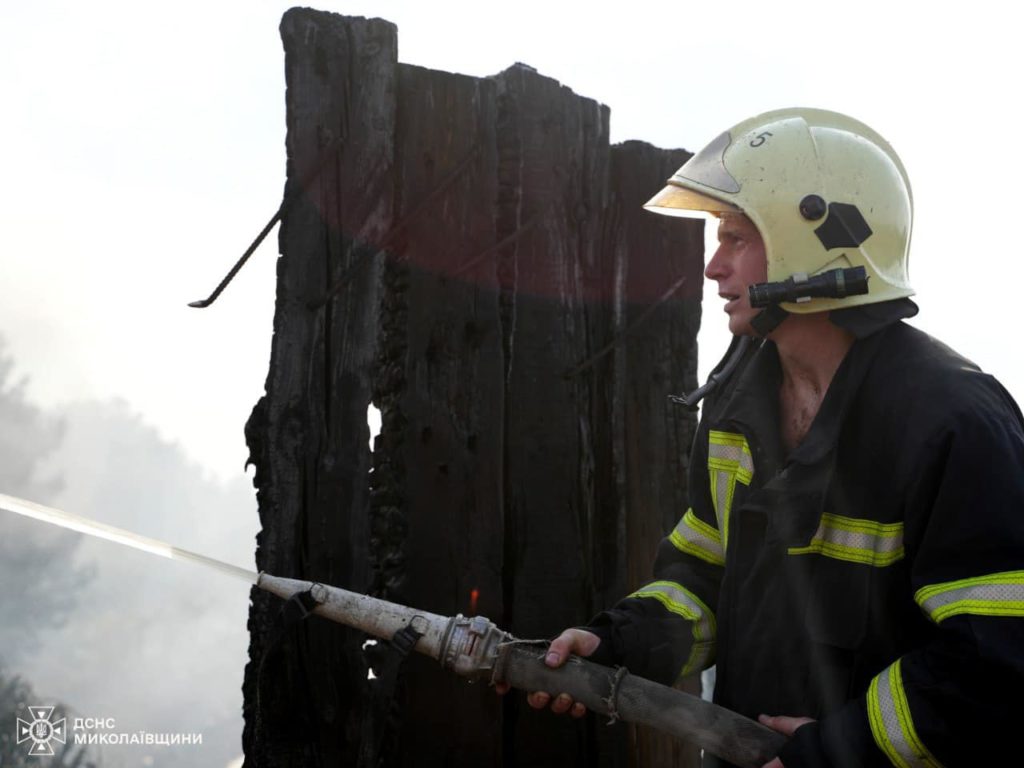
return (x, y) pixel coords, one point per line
(924, 384)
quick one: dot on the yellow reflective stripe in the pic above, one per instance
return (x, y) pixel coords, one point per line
(723, 488)
(729, 461)
(892, 725)
(729, 451)
(681, 601)
(702, 656)
(997, 594)
(855, 540)
(695, 537)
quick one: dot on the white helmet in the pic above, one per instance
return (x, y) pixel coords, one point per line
(824, 190)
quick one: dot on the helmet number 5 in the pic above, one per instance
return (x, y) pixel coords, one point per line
(760, 139)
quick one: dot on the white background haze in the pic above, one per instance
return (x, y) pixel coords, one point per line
(142, 148)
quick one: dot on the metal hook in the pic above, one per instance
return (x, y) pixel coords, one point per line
(327, 152)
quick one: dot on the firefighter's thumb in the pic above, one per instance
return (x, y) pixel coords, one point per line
(578, 641)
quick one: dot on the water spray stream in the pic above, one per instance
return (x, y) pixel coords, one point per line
(118, 535)
(476, 648)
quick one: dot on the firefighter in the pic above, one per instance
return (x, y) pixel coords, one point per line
(853, 555)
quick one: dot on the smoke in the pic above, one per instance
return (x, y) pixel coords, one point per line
(156, 645)
(37, 597)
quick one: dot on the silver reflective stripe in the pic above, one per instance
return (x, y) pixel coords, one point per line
(737, 455)
(683, 602)
(891, 723)
(729, 462)
(859, 540)
(855, 540)
(724, 484)
(997, 594)
(693, 536)
(701, 657)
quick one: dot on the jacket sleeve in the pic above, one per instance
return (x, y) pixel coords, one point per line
(666, 629)
(955, 700)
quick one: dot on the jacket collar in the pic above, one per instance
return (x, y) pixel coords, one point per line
(752, 408)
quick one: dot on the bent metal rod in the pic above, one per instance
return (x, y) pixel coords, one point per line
(476, 648)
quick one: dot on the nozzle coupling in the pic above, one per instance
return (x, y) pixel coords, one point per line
(834, 284)
(469, 646)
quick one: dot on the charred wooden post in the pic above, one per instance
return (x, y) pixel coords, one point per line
(308, 435)
(473, 260)
(552, 178)
(658, 316)
(439, 390)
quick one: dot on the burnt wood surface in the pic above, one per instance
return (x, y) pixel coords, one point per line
(473, 259)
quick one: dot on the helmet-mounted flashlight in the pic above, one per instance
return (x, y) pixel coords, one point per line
(834, 284)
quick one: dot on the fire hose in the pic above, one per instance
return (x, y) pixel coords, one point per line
(475, 648)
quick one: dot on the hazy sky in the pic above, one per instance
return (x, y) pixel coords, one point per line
(156, 645)
(143, 148)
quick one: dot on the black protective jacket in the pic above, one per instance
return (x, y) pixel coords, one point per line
(873, 579)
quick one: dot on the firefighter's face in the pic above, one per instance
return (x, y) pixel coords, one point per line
(738, 263)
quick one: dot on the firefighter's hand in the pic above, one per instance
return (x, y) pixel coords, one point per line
(786, 726)
(577, 641)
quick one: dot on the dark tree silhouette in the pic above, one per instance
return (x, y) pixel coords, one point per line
(15, 697)
(37, 595)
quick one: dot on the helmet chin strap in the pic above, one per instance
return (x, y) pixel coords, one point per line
(768, 319)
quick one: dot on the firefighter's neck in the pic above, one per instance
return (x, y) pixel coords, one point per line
(810, 350)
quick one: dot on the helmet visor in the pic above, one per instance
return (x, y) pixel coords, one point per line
(674, 200)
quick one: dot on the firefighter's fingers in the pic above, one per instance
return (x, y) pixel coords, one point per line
(577, 641)
(785, 725)
(502, 688)
(775, 763)
(538, 699)
(562, 703)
